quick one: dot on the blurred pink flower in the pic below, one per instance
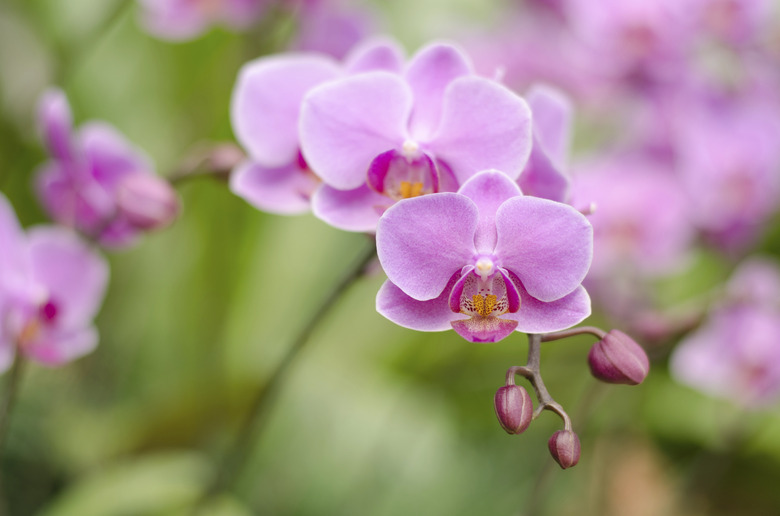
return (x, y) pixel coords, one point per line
(51, 286)
(735, 354)
(87, 170)
(187, 19)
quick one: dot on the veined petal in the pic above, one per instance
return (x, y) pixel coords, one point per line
(488, 190)
(548, 245)
(375, 54)
(541, 178)
(351, 210)
(74, 275)
(536, 316)
(429, 73)
(422, 242)
(56, 123)
(284, 190)
(266, 103)
(483, 125)
(431, 315)
(345, 124)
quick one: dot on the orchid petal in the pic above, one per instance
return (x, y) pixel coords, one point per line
(483, 125)
(429, 73)
(58, 348)
(350, 210)
(110, 156)
(345, 124)
(56, 123)
(541, 178)
(488, 190)
(266, 103)
(552, 112)
(285, 190)
(422, 242)
(375, 54)
(536, 316)
(431, 315)
(74, 275)
(548, 245)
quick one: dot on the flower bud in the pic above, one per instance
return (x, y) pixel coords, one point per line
(514, 408)
(565, 448)
(618, 359)
(147, 201)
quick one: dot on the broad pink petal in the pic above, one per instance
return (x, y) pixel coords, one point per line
(285, 190)
(375, 54)
(488, 190)
(74, 275)
(431, 315)
(422, 242)
(429, 73)
(351, 210)
(58, 348)
(266, 103)
(483, 126)
(56, 123)
(484, 329)
(552, 112)
(536, 316)
(345, 124)
(548, 245)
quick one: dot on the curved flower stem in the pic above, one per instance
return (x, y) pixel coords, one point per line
(532, 373)
(571, 332)
(71, 58)
(9, 396)
(254, 422)
(6, 406)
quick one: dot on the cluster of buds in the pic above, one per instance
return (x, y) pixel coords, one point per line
(615, 358)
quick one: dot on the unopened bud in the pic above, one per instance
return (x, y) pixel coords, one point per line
(147, 201)
(618, 359)
(514, 408)
(565, 448)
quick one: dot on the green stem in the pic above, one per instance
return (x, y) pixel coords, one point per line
(71, 58)
(6, 406)
(9, 396)
(254, 423)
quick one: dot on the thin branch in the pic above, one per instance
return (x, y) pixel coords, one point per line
(531, 372)
(254, 423)
(571, 332)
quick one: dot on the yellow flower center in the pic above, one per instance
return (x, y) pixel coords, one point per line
(484, 305)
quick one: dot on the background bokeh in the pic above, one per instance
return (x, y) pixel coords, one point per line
(374, 419)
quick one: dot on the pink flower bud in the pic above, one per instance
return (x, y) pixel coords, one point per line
(565, 448)
(618, 359)
(147, 201)
(514, 408)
